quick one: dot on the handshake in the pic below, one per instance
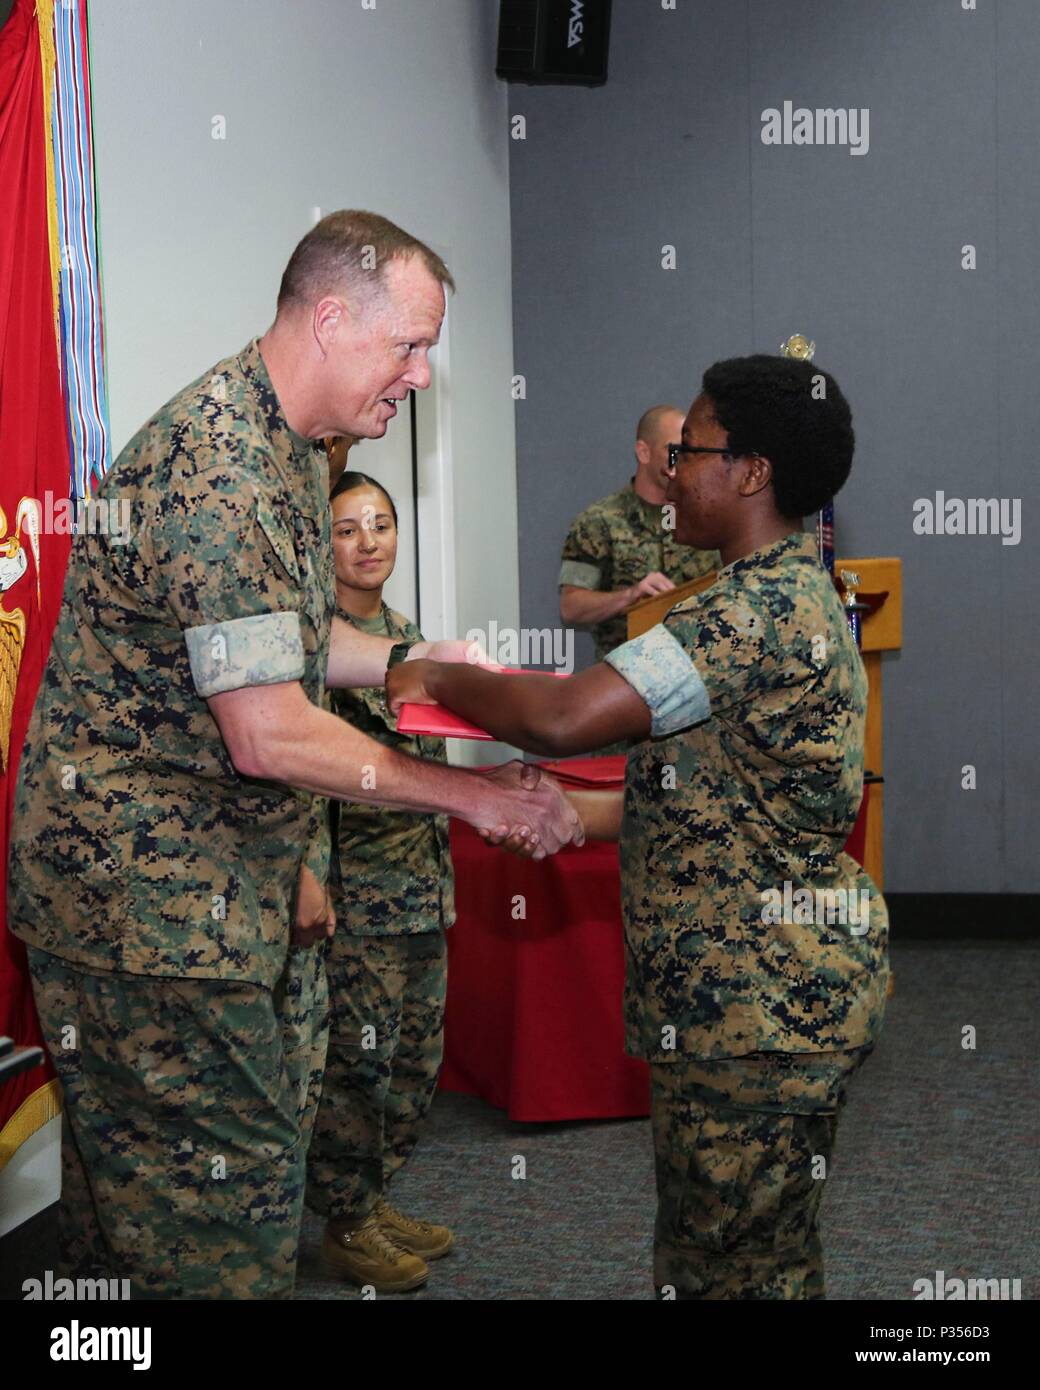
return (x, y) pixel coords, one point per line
(516, 806)
(526, 812)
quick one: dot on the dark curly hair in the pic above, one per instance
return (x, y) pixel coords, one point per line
(766, 405)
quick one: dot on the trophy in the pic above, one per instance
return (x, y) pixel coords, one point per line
(852, 605)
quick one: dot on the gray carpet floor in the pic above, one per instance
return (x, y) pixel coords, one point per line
(936, 1163)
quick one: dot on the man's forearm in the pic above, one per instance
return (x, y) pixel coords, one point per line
(356, 658)
(274, 733)
(587, 607)
(359, 659)
(322, 753)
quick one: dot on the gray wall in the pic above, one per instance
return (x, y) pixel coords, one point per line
(863, 254)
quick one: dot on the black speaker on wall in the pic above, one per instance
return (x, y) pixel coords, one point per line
(554, 41)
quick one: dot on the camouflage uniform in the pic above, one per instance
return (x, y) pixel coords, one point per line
(753, 1020)
(618, 541)
(153, 882)
(188, 1105)
(393, 891)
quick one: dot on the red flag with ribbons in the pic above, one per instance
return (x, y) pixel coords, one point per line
(34, 461)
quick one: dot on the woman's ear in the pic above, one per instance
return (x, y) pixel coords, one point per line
(757, 474)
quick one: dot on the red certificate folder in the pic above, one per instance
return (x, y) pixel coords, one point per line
(436, 722)
(590, 774)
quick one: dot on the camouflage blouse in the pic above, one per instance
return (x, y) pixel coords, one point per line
(391, 870)
(136, 845)
(748, 928)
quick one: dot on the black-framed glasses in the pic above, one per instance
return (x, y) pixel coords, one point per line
(675, 451)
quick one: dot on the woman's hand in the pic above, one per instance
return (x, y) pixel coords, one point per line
(406, 683)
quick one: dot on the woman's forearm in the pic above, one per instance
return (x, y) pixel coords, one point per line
(556, 718)
(522, 710)
(600, 811)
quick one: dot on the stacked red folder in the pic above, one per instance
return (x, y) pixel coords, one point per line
(590, 774)
(437, 722)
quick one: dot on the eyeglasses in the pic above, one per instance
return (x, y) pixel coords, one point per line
(676, 450)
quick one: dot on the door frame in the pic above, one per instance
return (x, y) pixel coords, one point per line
(435, 493)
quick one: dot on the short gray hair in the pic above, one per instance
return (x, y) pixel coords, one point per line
(350, 251)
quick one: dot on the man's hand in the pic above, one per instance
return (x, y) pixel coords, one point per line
(536, 818)
(653, 583)
(451, 650)
(587, 607)
(314, 920)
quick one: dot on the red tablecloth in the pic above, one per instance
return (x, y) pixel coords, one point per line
(533, 1022)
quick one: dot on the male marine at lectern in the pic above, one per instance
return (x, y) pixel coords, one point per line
(623, 548)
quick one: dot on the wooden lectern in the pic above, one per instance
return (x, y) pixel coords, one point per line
(880, 588)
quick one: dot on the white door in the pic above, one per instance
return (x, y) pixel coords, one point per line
(389, 462)
(413, 462)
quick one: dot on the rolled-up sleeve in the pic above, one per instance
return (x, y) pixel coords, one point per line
(261, 650)
(233, 578)
(579, 573)
(585, 554)
(712, 654)
(660, 671)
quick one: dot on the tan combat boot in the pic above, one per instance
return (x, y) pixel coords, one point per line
(367, 1255)
(431, 1242)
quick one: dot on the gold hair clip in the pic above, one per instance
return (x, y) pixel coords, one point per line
(799, 347)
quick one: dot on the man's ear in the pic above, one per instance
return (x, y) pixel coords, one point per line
(642, 452)
(328, 316)
(757, 474)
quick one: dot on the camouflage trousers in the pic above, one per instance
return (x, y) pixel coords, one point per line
(743, 1147)
(187, 1109)
(385, 1048)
